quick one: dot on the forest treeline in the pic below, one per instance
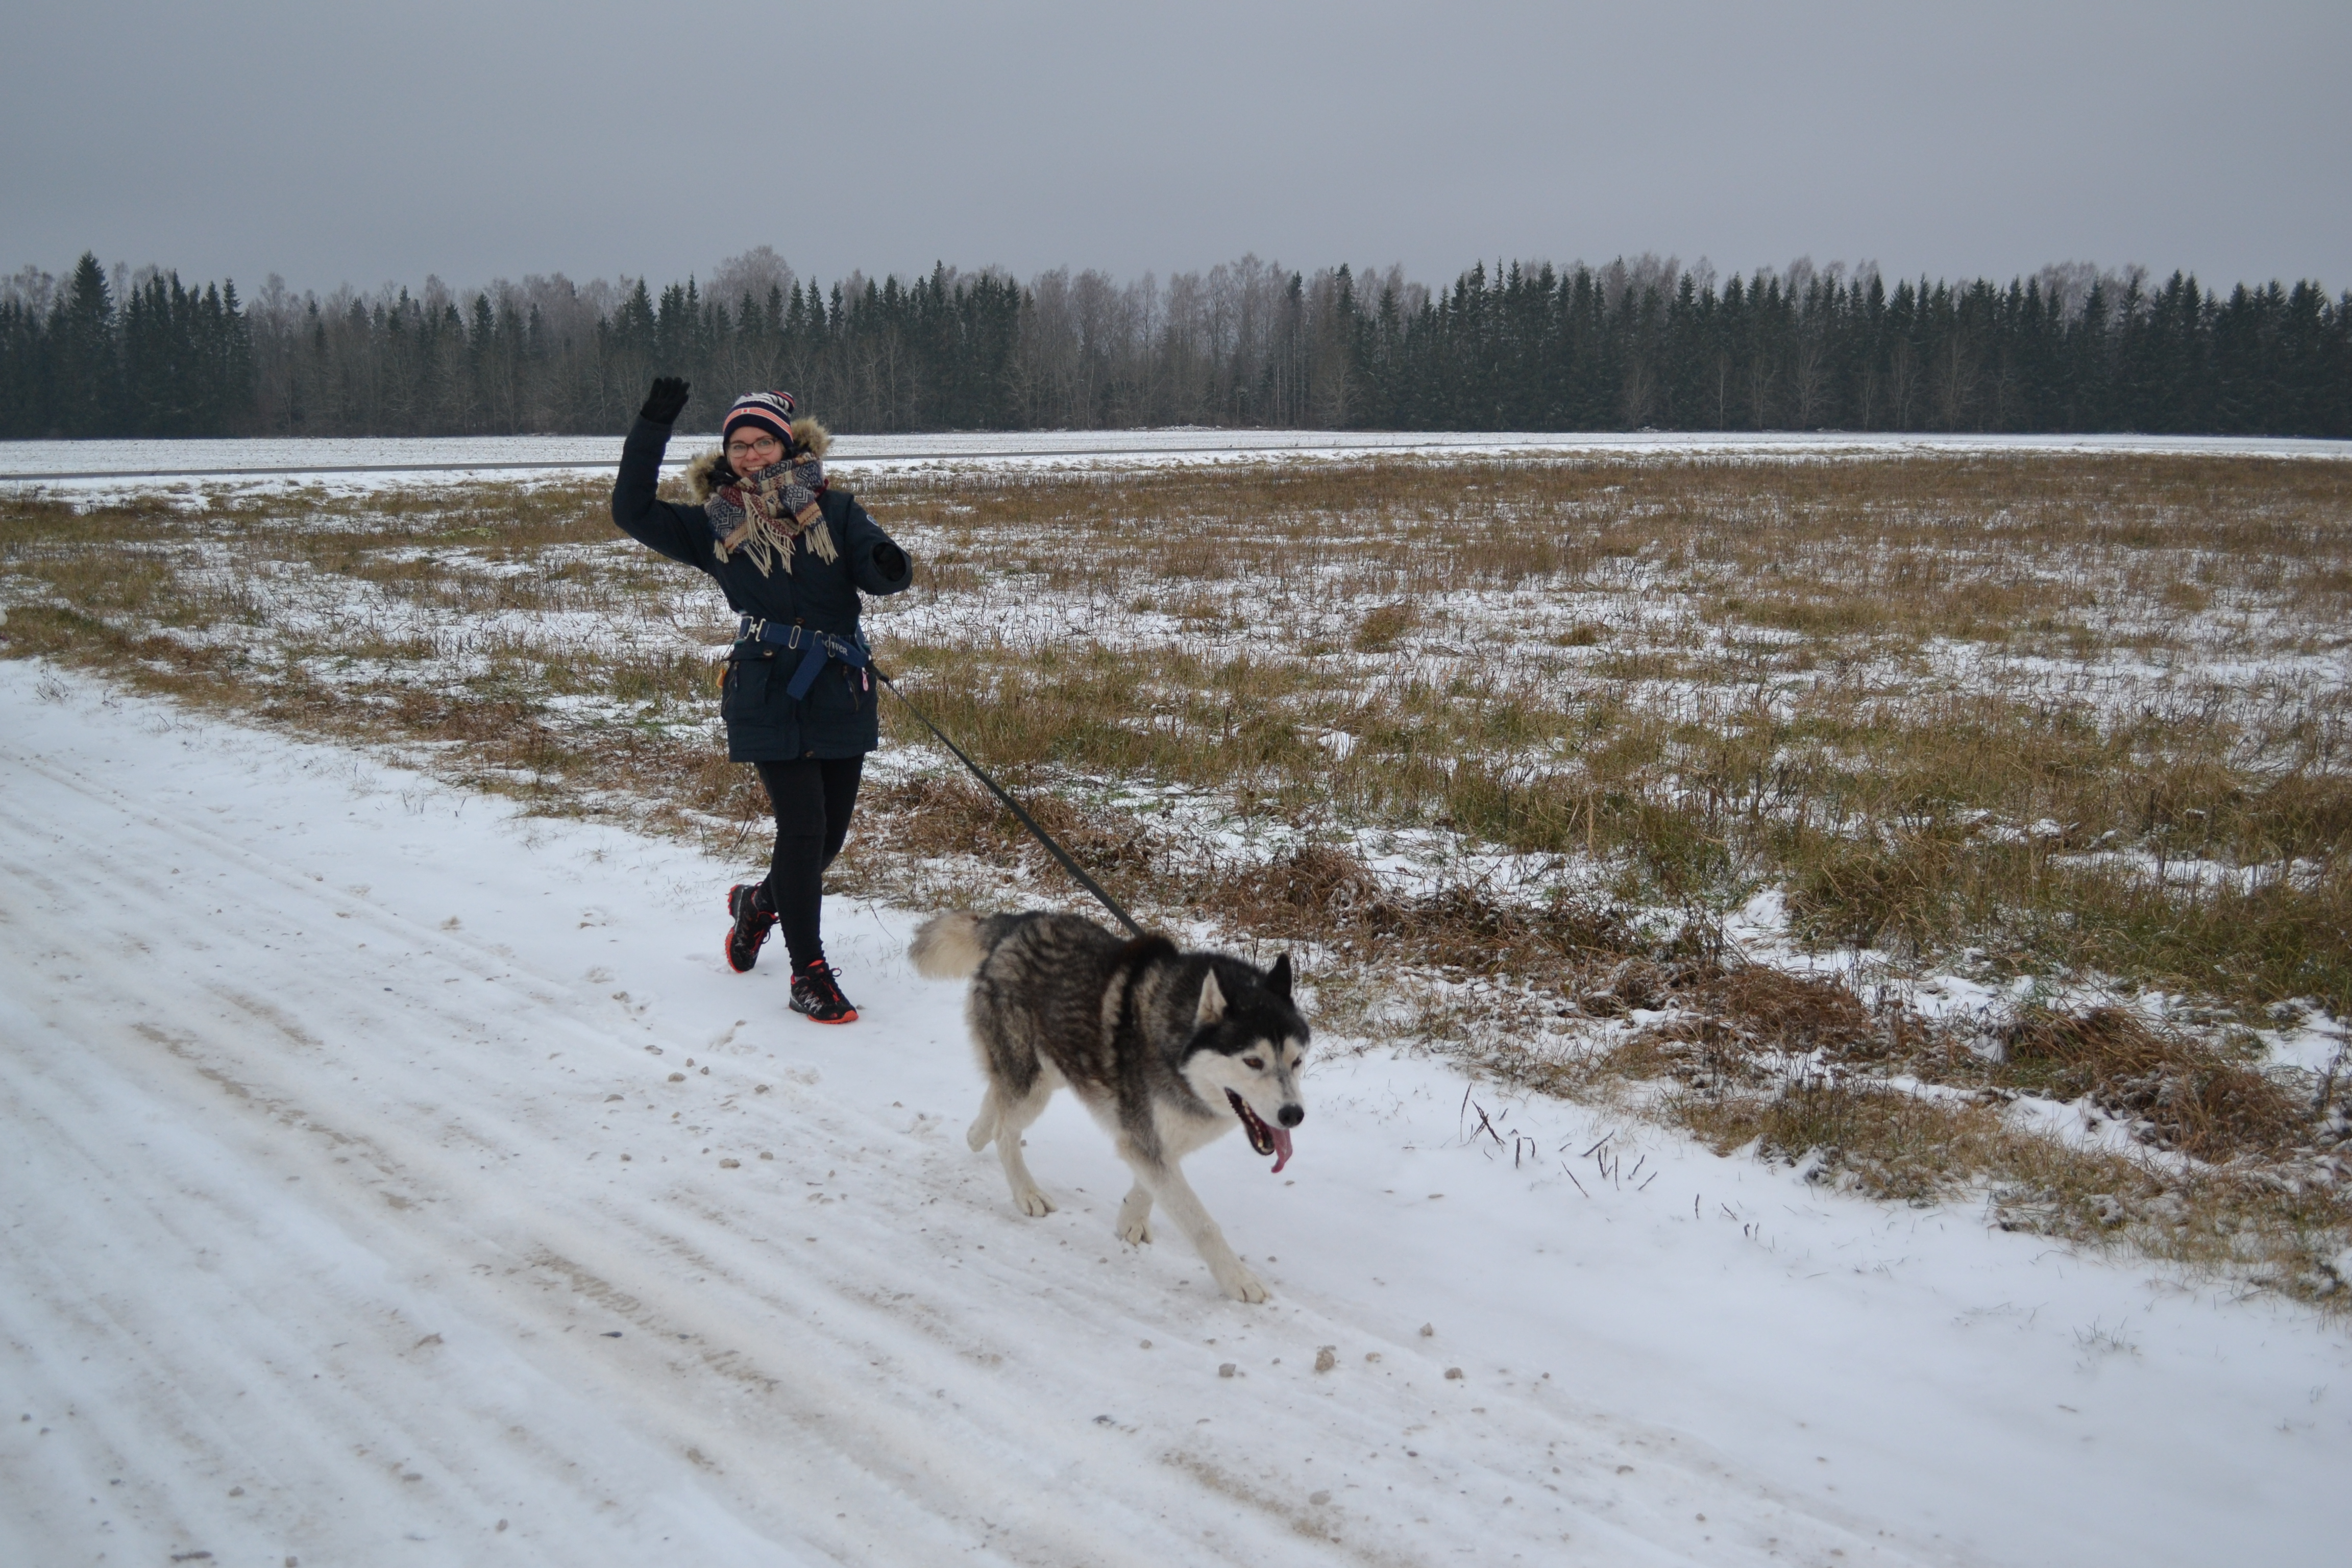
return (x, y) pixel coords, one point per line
(1644, 343)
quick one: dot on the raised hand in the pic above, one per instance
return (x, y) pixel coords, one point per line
(665, 399)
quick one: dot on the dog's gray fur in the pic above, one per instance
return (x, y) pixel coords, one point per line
(1151, 1040)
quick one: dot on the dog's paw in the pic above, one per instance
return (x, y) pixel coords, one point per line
(980, 1132)
(1242, 1286)
(1033, 1203)
(1135, 1232)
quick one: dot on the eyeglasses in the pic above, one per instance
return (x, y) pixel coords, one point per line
(757, 447)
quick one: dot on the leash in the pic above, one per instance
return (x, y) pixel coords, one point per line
(1027, 821)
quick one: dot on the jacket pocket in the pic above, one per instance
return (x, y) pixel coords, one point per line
(744, 692)
(836, 690)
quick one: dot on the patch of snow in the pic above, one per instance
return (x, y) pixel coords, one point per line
(2315, 1045)
(2081, 1125)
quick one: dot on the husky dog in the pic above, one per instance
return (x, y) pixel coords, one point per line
(1167, 1049)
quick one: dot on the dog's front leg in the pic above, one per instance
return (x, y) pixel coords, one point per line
(1175, 1194)
(1135, 1215)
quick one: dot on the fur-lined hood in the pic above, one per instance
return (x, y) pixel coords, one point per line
(806, 433)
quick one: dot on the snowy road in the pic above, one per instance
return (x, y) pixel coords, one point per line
(385, 1178)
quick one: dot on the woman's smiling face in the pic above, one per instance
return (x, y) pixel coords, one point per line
(751, 448)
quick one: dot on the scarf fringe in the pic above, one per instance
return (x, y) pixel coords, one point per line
(758, 537)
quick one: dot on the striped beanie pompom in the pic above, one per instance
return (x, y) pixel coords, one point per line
(772, 411)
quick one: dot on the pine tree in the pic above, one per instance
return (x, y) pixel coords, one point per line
(85, 395)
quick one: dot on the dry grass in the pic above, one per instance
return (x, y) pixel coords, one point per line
(2275, 1229)
(2049, 716)
(1987, 701)
(2185, 1093)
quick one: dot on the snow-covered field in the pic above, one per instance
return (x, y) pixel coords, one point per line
(389, 1178)
(277, 462)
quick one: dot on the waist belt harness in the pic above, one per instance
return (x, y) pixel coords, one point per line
(818, 648)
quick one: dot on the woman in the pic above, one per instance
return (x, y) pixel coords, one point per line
(792, 554)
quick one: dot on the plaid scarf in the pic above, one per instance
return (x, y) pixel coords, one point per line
(762, 515)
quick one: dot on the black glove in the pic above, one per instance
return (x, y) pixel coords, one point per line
(890, 561)
(667, 396)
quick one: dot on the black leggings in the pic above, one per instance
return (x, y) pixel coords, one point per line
(812, 801)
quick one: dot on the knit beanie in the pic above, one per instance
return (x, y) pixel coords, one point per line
(771, 410)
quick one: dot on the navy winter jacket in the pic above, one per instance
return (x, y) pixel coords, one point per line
(764, 724)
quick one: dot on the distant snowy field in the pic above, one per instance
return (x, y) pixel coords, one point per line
(349, 1213)
(267, 461)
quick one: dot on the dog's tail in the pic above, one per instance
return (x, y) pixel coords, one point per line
(948, 946)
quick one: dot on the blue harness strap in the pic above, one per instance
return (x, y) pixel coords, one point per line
(820, 647)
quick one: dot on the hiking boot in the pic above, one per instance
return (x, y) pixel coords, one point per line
(816, 992)
(752, 925)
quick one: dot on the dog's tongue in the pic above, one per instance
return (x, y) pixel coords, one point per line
(1281, 1146)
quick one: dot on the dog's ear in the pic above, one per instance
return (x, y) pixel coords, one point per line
(1213, 1001)
(1278, 979)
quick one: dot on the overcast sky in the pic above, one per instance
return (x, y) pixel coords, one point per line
(495, 138)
